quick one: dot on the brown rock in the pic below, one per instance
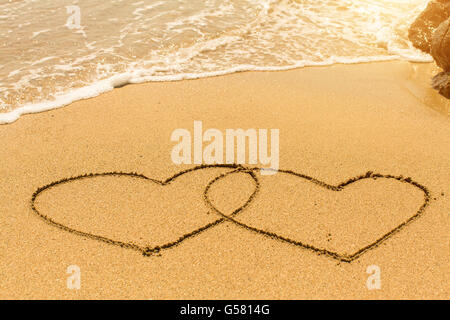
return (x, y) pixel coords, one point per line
(421, 31)
(441, 83)
(440, 45)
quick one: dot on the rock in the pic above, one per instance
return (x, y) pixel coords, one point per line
(440, 45)
(421, 31)
(441, 82)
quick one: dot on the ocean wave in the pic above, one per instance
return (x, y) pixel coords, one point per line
(47, 65)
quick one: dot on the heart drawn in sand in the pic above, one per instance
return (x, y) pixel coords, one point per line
(131, 212)
(289, 209)
(227, 210)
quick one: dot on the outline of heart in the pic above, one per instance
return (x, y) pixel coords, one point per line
(339, 187)
(146, 251)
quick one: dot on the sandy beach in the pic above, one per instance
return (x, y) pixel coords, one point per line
(336, 123)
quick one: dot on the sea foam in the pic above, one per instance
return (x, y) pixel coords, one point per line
(47, 65)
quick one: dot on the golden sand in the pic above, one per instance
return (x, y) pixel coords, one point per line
(335, 123)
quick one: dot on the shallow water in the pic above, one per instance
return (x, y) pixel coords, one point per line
(51, 56)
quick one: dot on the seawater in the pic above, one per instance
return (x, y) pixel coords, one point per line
(55, 52)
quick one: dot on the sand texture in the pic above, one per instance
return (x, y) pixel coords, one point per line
(364, 180)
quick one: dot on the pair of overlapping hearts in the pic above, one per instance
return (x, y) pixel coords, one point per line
(289, 207)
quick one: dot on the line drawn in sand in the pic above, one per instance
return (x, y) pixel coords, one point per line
(150, 250)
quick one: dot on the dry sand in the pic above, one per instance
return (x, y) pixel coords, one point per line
(335, 123)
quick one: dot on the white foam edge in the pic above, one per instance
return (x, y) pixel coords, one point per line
(137, 76)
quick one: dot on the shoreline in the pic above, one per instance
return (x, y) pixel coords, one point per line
(121, 80)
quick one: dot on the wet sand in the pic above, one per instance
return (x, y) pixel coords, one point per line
(336, 123)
